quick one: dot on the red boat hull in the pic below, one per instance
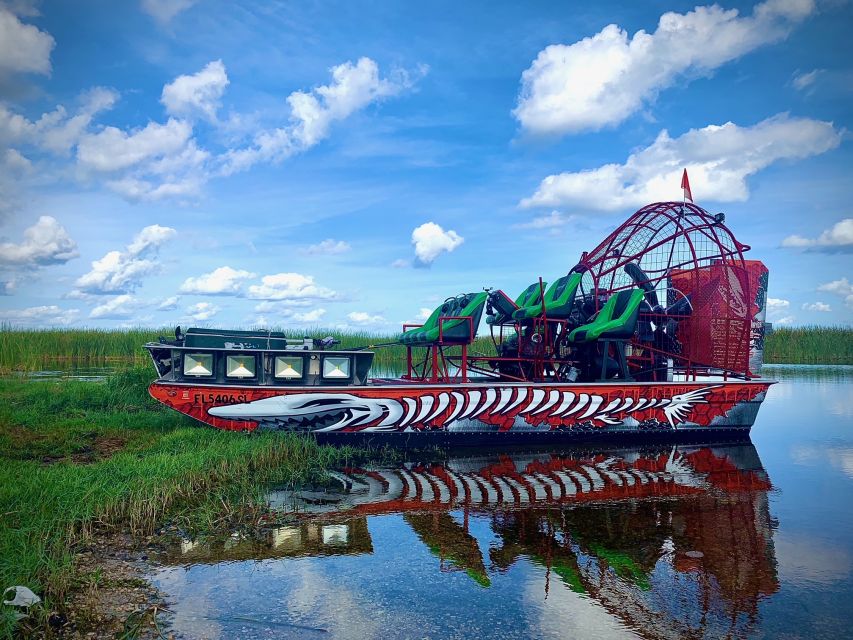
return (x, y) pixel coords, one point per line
(476, 409)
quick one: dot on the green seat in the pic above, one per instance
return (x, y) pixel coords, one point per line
(458, 331)
(430, 323)
(505, 308)
(558, 301)
(617, 319)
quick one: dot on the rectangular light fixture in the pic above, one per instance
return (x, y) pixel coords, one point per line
(198, 364)
(336, 367)
(240, 366)
(335, 534)
(289, 367)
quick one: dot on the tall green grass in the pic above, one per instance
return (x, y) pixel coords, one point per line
(809, 345)
(30, 350)
(166, 468)
(35, 349)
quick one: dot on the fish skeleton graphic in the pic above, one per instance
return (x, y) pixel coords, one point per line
(333, 411)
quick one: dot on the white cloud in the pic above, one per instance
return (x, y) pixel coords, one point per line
(285, 312)
(401, 263)
(23, 47)
(840, 287)
(122, 271)
(353, 87)
(289, 286)
(776, 308)
(8, 287)
(202, 311)
(56, 131)
(803, 81)
(190, 95)
(45, 316)
(603, 79)
(431, 240)
(775, 304)
(837, 239)
(553, 220)
(363, 318)
(221, 281)
(315, 315)
(816, 306)
(718, 158)
(46, 242)
(122, 306)
(328, 247)
(168, 304)
(113, 149)
(164, 10)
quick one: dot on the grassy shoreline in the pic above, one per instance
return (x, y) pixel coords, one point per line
(29, 350)
(80, 457)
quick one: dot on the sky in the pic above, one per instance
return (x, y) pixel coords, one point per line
(351, 165)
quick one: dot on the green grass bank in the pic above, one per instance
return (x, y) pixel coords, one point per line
(76, 457)
(29, 350)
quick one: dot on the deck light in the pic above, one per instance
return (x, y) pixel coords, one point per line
(335, 534)
(288, 367)
(240, 367)
(335, 367)
(198, 364)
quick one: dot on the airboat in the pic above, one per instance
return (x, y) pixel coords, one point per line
(657, 332)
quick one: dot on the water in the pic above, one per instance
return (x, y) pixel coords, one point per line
(736, 540)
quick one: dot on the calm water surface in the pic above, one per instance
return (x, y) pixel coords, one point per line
(732, 540)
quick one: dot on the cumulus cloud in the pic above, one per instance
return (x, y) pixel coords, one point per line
(222, 281)
(289, 286)
(196, 94)
(777, 304)
(23, 47)
(46, 242)
(776, 310)
(45, 316)
(315, 315)
(362, 318)
(112, 149)
(123, 271)
(603, 79)
(816, 306)
(327, 247)
(353, 87)
(164, 159)
(168, 304)
(56, 131)
(837, 239)
(430, 241)
(841, 288)
(718, 158)
(164, 10)
(551, 221)
(122, 306)
(202, 311)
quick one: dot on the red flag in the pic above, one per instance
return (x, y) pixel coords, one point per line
(685, 184)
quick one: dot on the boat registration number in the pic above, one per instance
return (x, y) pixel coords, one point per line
(206, 398)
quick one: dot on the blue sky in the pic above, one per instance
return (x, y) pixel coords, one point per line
(352, 164)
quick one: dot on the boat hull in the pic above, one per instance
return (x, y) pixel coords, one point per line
(476, 412)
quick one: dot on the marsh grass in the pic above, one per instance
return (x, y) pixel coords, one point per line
(809, 345)
(161, 466)
(37, 349)
(33, 350)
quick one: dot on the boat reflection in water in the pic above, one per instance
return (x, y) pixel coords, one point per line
(672, 541)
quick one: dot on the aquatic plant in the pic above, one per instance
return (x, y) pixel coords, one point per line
(78, 457)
